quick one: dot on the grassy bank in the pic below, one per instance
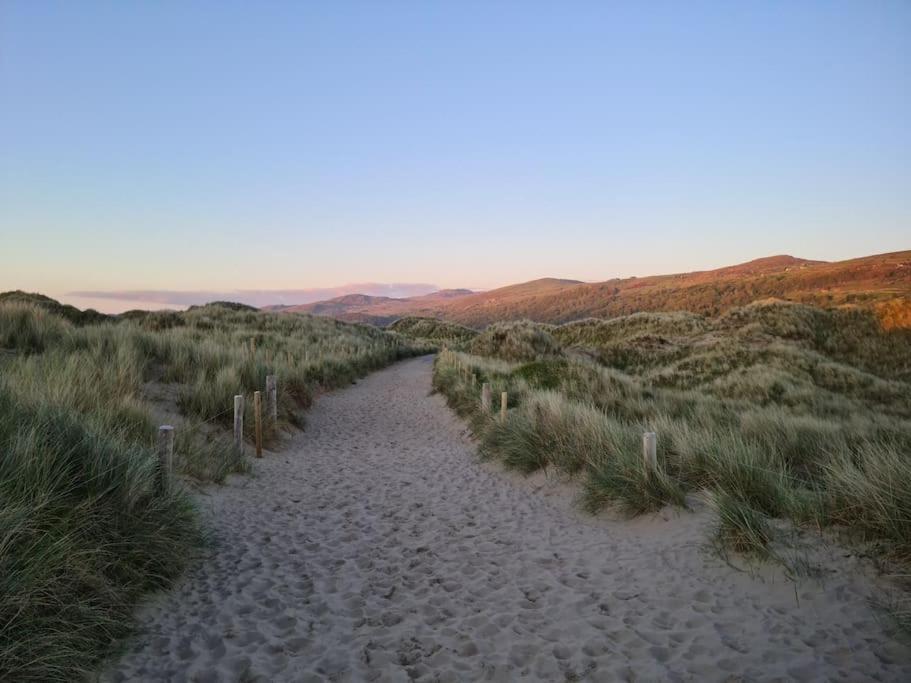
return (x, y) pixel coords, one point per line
(431, 331)
(84, 530)
(776, 410)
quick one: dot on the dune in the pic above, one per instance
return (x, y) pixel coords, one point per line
(375, 546)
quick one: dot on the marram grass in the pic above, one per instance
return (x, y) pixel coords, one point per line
(778, 410)
(84, 529)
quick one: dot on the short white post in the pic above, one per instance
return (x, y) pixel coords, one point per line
(503, 407)
(239, 422)
(271, 398)
(165, 455)
(485, 396)
(650, 451)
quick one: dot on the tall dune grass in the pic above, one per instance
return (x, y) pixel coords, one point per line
(84, 528)
(83, 532)
(772, 408)
(432, 331)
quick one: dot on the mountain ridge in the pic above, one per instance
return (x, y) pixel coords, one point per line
(879, 281)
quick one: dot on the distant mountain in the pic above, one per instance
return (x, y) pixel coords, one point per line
(341, 305)
(379, 310)
(270, 299)
(882, 282)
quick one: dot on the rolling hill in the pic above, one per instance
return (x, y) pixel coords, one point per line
(881, 282)
(379, 310)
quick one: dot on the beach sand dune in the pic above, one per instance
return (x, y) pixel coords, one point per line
(376, 547)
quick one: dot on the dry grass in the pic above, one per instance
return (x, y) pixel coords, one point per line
(516, 341)
(781, 410)
(432, 331)
(84, 528)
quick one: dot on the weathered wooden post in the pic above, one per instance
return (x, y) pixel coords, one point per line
(239, 423)
(258, 421)
(474, 380)
(271, 398)
(485, 396)
(650, 451)
(165, 456)
(252, 345)
(503, 407)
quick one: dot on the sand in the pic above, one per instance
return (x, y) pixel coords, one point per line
(376, 547)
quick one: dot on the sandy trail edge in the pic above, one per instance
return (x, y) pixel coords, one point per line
(377, 548)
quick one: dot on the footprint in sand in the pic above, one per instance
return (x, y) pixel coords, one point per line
(376, 547)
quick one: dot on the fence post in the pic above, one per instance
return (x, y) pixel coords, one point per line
(474, 380)
(650, 451)
(485, 396)
(503, 407)
(271, 398)
(165, 455)
(239, 423)
(258, 421)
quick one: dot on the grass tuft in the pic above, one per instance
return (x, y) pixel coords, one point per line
(741, 527)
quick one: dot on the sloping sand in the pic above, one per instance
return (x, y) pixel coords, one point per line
(375, 547)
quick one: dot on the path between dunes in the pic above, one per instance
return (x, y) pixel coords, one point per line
(376, 547)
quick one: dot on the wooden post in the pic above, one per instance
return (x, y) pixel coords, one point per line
(252, 345)
(239, 423)
(650, 451)
(503, 407)
(165, 455)
(271, 398)
(485, 396)
(258, 421)
(474, 380)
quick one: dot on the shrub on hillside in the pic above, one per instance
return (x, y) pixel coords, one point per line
(516, 341)
(29, 328)
(433, 330)
(597, 332)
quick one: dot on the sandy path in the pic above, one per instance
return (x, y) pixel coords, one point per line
(376, 548)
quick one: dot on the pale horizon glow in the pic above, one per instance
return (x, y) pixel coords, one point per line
(294, 146)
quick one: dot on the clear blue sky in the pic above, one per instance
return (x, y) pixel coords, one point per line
(211, 145)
